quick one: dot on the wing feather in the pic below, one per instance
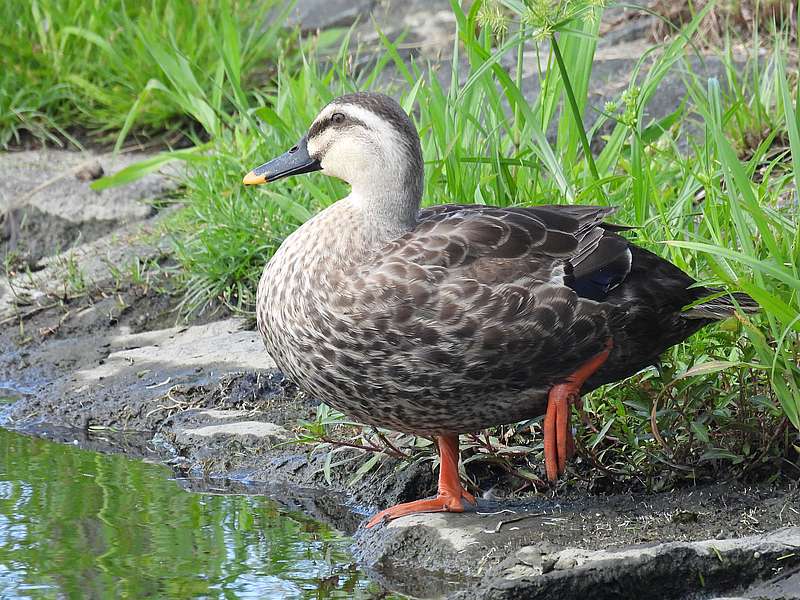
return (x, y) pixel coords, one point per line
(487, 292)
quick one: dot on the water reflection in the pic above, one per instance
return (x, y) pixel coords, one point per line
(80, 524)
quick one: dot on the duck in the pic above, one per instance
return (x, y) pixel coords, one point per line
(446, 320)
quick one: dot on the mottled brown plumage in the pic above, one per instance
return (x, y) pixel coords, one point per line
(457, 317)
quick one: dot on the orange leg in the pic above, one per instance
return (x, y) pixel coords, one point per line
(450, 495)
(558, 442)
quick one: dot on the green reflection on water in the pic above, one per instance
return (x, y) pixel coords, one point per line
(80, 524)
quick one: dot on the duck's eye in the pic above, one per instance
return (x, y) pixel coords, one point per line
(337, 118)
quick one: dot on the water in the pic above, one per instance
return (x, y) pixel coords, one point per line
(80, 524)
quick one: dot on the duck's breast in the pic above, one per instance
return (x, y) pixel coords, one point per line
(298, 286)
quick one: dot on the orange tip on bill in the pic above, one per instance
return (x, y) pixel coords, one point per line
(252, 179)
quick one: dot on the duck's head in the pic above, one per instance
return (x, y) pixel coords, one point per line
(365, 139)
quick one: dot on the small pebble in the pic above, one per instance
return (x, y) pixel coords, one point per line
(565, 562)
(684, 517)
(756, 554)
(548, 563)
(90, 172)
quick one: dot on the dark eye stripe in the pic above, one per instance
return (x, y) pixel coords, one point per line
(321, 126)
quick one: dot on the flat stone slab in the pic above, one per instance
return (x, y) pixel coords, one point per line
(47, 204)
(160, 359)
(257, 429)
(313, 15)
(675, 569)
(141, 377)
(57, 182)
(690, 544)
(220, 345)
(428, 25)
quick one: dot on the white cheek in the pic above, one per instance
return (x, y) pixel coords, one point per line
(350, 159)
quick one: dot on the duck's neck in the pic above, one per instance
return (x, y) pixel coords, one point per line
(388, 207)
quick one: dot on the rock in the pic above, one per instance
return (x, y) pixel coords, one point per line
(527, 560)
(154, 362)
(463, 545)
(675, 569)
(428, 25)
(210, 442)
(220, 345)
(313, 15)
(90, 172)
(258, 429)
(586, 547)
(56, 182)
(785, 585)
(635, 29)
(143, 377)
(566, 560)
(48, 205)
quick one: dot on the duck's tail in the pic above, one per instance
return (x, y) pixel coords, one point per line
(717, 304)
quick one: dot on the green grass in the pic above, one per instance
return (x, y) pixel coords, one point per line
(725, 211)
(114, 68)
